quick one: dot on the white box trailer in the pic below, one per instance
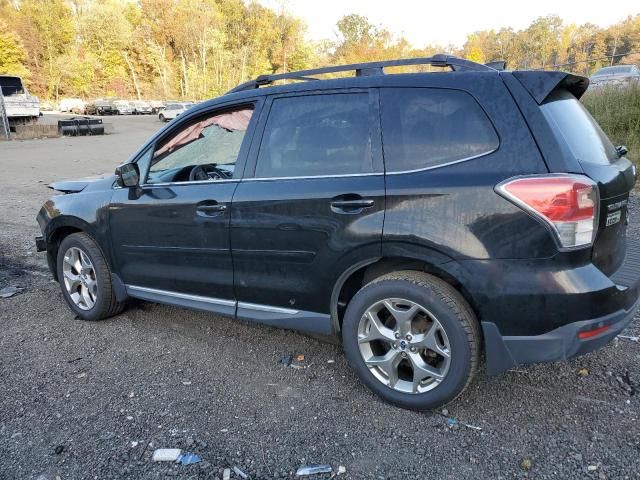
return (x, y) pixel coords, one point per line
(21, 107)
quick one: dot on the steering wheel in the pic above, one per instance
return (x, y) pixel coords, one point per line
(206, 172)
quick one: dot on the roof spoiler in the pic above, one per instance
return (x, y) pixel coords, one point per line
(541, 84)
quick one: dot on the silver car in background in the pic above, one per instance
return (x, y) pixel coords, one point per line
(141, 107)
(172, 110)
(122, 107)
(616, 76)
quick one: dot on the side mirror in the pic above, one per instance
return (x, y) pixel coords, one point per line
(622, 150)
(128, 175)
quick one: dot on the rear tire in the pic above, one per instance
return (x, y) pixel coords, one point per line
(412, 339)
(85, 278)
(162, 118)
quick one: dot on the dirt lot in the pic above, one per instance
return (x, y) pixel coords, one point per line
(105, 395)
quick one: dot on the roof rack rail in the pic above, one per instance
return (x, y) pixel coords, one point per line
(365, 69)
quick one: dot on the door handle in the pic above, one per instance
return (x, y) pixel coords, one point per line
(209, 208)
(364, 203)
(353, 205)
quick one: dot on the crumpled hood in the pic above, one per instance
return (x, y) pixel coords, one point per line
(78, 185)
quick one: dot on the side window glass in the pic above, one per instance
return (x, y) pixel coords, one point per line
(206, 149)
(316, 135)
(427, 127)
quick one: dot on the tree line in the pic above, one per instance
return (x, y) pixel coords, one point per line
(194, 49)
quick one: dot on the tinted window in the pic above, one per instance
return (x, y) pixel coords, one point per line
(425, 127)
(574, 125)
(213, 142)
(316, 135)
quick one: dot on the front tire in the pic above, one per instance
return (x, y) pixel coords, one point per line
(412, 339)
(85, 278)
(162, 118)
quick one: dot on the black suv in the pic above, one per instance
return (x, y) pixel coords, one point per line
(423, 217)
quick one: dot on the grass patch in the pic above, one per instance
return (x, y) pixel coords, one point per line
(617, 110)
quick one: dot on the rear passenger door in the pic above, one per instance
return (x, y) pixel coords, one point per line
(312, 200)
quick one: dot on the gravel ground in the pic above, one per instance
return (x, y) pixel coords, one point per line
(93, 400)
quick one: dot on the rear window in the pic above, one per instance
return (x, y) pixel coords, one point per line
(574, 125)
(428, 127)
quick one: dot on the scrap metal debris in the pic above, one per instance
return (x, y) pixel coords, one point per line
(240, 473)
(453, 421)
(286, 360)
(625, 383)
(188, 459)
(175, 455)
(7, 292)
(166, 454)
(630, 338)
(306, 470)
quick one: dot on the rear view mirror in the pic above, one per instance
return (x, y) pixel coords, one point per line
(128, 175)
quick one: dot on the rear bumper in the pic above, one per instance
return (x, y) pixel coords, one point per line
(537, 312)
(505, 352)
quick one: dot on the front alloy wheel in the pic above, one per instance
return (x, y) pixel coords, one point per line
(85, 278)
(80, 278)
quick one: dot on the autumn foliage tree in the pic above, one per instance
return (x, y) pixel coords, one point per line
(195, 49)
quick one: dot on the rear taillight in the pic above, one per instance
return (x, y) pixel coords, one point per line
(567, 203)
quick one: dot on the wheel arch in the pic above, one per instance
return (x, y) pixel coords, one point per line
(363, 272)
(60, 228)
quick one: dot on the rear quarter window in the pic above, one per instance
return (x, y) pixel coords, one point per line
(573, 125)
(428, 127)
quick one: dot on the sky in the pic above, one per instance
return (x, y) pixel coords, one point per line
(447, 22)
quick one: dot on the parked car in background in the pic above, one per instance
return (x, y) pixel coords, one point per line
(156, 105)
(172, 110)
(47, 106)
(72, 105)
(21, 107)
(122, 107)
(100, 107)
(432, 221)
(141, 107)
(616, 76)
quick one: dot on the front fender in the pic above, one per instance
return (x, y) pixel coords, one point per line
(85, 211)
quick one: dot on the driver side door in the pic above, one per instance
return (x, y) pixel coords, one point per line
(170, 236)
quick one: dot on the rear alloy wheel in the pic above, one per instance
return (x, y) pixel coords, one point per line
(404, 346)
(412, 339)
